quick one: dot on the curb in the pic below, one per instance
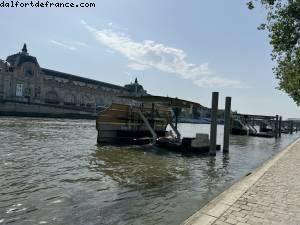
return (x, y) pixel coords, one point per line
(216, 207)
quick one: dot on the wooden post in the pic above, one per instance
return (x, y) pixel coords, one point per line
(276, 126)
(291, 127)
(279, 126)
(227, 124)
(213, 123)
(260, 126)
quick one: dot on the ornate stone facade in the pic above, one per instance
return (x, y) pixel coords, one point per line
(22, 80)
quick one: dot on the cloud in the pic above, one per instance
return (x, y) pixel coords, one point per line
(137, 66)
(218, 82)
(72, 45)
(78, 43)
(150, 54)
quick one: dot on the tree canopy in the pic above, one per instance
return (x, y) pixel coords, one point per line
(283, 25)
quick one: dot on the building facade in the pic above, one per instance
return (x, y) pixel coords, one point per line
(28, 89)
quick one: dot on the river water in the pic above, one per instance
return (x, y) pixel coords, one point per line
(53, 172)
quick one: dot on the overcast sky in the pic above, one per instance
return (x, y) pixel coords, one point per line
(184, 49)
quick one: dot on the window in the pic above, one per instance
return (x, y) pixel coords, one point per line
(29, 72)
(52, 97)
(27, 92)
(19, 90)
(37, 92)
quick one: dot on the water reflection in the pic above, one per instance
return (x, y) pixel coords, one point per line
(240, 141)
(225, 161)
(137, 166)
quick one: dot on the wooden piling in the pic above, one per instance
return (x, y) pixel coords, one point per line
(279, 126)
(276, 126)
(291, 127)
(227, 120)
(213, 123)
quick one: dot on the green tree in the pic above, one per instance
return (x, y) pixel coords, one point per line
(283, 25)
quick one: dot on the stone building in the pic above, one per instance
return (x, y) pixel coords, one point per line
(28, 89)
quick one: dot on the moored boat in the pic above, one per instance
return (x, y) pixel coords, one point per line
(144, 120)
(132, 123)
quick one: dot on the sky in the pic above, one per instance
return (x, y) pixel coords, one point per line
(186, 49)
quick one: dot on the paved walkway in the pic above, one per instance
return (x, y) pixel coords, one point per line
(270, 195)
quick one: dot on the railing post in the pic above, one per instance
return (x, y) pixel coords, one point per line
(227, 124)
(213, 123)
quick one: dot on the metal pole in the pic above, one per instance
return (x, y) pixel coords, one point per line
(227, 124)
(213, 123)
(276, 126)
(280, 121)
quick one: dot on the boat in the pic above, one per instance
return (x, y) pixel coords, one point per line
(198, 145)
(144, 120)
(132, 123)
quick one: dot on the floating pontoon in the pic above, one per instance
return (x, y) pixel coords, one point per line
(144, 120)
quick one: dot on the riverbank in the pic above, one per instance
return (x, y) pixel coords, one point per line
(269, 195)
(42, 110)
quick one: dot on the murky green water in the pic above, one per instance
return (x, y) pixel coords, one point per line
(52, 172)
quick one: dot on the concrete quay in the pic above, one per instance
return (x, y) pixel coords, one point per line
(269, 195)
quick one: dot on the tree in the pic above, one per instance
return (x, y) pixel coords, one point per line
(283, 25)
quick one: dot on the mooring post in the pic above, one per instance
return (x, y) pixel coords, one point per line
(213, 123)
(276, 126)
(279, 126)
(227, 124)
(260, 126)
(291, 127)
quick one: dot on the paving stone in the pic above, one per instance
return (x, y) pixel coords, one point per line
(273, 199)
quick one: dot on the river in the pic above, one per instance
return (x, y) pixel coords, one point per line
(53, 172)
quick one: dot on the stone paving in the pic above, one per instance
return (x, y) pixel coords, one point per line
(273, 199)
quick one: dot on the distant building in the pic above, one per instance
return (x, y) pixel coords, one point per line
(28, 89)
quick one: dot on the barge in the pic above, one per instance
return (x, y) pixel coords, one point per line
(144, 120)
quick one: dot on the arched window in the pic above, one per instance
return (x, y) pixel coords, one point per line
(87, 101)
(84, 100)
(69, 99)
